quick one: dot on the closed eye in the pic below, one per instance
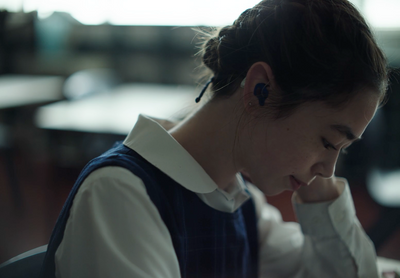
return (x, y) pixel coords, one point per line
(330, 146)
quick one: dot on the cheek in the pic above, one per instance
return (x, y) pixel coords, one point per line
(293, 154)
(290, 159)
(276, 158)
(280, 151)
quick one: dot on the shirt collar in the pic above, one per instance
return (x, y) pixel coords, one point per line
(156, 145)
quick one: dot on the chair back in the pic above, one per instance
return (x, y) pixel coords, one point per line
(25, 265)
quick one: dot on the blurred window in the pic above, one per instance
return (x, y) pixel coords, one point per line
(380, 13)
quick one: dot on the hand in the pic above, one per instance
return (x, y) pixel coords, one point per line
(320, 190)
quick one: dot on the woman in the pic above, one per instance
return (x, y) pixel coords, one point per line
(293, 83)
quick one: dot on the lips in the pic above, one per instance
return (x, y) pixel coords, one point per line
(296, 184)
(300, 182)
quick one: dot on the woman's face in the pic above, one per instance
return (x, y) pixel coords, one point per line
(304, 145)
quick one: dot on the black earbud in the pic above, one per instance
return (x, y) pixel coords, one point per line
(261, 92)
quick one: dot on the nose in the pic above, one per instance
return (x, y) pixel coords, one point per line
(326, 166)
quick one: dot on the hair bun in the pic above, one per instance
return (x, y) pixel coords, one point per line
(210, 56)
(220, 51)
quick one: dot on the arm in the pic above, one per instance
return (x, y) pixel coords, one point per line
(114, 230)
(329, 242)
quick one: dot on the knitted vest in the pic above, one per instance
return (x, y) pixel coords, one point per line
(207, 242)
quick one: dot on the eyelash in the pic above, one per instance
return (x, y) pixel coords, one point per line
(329, 146)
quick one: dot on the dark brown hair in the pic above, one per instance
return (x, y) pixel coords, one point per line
(318, 50)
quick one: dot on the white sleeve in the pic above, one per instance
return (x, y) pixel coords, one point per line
(329, 242)
(115, 230)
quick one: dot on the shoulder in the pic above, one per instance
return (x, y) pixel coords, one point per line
(112, 191)
(114, 175)
(112, 182)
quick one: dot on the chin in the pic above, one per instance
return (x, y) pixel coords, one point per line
(270, 191)
(274, 193)
(264, 185)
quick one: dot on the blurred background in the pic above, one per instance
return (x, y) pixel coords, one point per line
(74, 75)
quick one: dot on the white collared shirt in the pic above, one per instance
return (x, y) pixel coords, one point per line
(114, 229)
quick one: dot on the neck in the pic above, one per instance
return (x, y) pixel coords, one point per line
(209, 137)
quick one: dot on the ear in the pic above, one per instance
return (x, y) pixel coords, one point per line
(259, 72)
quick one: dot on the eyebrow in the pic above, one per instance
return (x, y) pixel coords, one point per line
(346, 131)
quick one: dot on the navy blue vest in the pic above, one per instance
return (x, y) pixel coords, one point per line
(207, 242)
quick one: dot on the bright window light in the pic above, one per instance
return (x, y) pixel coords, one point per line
(380, 13)
(135, 12)
(383, 13)
(385, 187)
